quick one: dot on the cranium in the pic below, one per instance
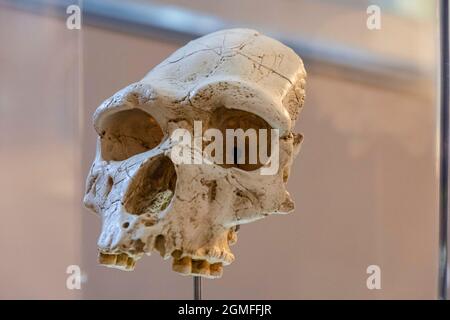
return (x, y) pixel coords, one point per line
(229, 79)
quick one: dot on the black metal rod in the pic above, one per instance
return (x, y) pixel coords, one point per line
(197, 288)
(444, 149)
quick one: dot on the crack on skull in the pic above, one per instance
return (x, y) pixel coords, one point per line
(212, 188)
(92, 180)
(265, 67)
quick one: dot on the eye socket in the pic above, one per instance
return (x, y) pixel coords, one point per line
(243, 140)
(127, 133)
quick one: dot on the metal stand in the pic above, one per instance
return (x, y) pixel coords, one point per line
(444, 149)
(197, 288)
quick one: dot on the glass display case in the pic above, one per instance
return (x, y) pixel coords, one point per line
(369, 183)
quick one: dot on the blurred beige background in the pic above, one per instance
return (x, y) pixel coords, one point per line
(365, 182)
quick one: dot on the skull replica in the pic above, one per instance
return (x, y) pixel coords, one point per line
(229, 79)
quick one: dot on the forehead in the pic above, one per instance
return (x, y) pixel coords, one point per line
(236, 54)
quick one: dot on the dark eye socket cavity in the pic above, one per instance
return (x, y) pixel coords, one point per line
(127, 133)
(242, 150)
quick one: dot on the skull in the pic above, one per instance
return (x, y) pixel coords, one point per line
(190, 212)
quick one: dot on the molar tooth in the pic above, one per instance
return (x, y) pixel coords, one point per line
(182, 265)
(122, 260)
(131, 263)
(200, 267)
(215, 270)
(107, 259)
